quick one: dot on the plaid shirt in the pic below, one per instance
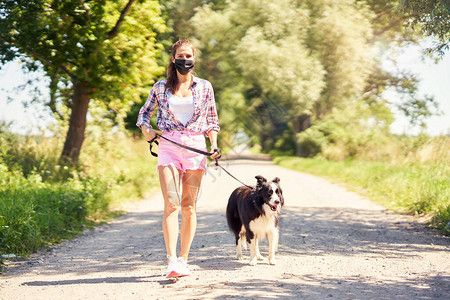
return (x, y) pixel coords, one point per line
(205, 116)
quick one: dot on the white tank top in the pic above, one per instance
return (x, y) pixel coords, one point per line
(181, 107)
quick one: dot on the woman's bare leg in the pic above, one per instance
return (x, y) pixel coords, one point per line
(191, 180)
(169, 178)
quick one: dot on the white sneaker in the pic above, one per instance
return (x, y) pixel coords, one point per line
(183, 267)
(173, 267)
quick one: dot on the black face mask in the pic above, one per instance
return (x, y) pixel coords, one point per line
(184, 65)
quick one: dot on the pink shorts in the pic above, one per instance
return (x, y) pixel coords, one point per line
(180, 158)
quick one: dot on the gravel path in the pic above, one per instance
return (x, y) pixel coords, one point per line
(333, 244)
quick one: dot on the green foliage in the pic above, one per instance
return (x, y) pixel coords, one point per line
(34, 213)
(348, 132)
(412, 105)
(289, 59)
(413, 188)
(295, 63)
(346, 55)
(389, 24)
(178, 14)
(101, 50)
(417, 110)
(42, 203)
(432, 17)
(85, 42)
(312, 141)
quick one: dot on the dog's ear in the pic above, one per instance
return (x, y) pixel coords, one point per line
(260, 180)
(276, 180)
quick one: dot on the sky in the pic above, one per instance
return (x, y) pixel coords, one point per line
(434, 81)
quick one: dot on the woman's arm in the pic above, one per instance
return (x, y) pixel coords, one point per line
(145, 113)
(212, 134)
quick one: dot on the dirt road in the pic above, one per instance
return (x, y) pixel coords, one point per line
(333, 244)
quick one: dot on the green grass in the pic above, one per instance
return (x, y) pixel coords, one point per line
(34, 214)
(42, 203)
(413, 188)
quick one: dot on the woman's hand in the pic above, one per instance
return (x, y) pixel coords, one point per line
(216, 152)
(212, 134)
(149, 133)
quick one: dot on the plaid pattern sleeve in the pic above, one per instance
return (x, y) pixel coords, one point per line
(205, 116)
(212, 119)
(146, 111)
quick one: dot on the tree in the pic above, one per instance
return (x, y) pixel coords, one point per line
(344, 50)
(432, 17)
(389, 24)
(294, 61)
(103, 50)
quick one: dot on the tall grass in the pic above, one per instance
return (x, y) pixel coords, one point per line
(34, 213)
(404, 173)
(42, 202)
(413, 188)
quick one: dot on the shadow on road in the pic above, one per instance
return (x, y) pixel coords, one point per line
(135, 241)
(317, 287)
(347, 231)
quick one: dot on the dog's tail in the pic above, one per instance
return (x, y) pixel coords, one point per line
(233, 220)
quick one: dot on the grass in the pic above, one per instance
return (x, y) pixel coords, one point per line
(42, 203)
(34, 213)
(413, 188)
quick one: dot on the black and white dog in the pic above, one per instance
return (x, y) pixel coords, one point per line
(252, 214)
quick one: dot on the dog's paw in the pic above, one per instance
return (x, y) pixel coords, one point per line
(239, 257)
(259, 257)
(253, 262)
(272, 261)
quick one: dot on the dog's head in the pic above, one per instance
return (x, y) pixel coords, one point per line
(270, 192)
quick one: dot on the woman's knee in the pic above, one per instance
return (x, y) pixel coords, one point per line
(187, 208)
(170, 208)
(172, 204)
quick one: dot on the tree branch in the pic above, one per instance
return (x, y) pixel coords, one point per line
(44, 61)
(52, 102)
(86, 10)
(383, 13)
(115, 31)
(393, 23)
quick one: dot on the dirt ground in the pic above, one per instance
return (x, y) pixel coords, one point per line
(333, 244)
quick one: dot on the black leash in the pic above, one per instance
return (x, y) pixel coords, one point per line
(154, 140)
(217, 165)
(180, 145)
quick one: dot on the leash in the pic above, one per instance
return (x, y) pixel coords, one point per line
(182, 146)
(154, 140)
(217, 165)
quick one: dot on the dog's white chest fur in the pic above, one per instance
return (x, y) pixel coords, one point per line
(264, 224)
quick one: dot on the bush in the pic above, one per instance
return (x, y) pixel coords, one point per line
(339, 141)
(311, 142)
(34, 213)
(42, 202)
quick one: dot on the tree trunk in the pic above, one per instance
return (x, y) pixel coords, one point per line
(77, 123)
(301, 123)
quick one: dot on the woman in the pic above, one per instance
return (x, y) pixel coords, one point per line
(186, 114)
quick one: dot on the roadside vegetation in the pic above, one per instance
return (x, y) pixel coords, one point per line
(43, 202)
(411, 176)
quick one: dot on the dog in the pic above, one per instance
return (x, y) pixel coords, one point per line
(252, 214)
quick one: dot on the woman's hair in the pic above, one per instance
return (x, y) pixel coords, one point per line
(172, 78)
